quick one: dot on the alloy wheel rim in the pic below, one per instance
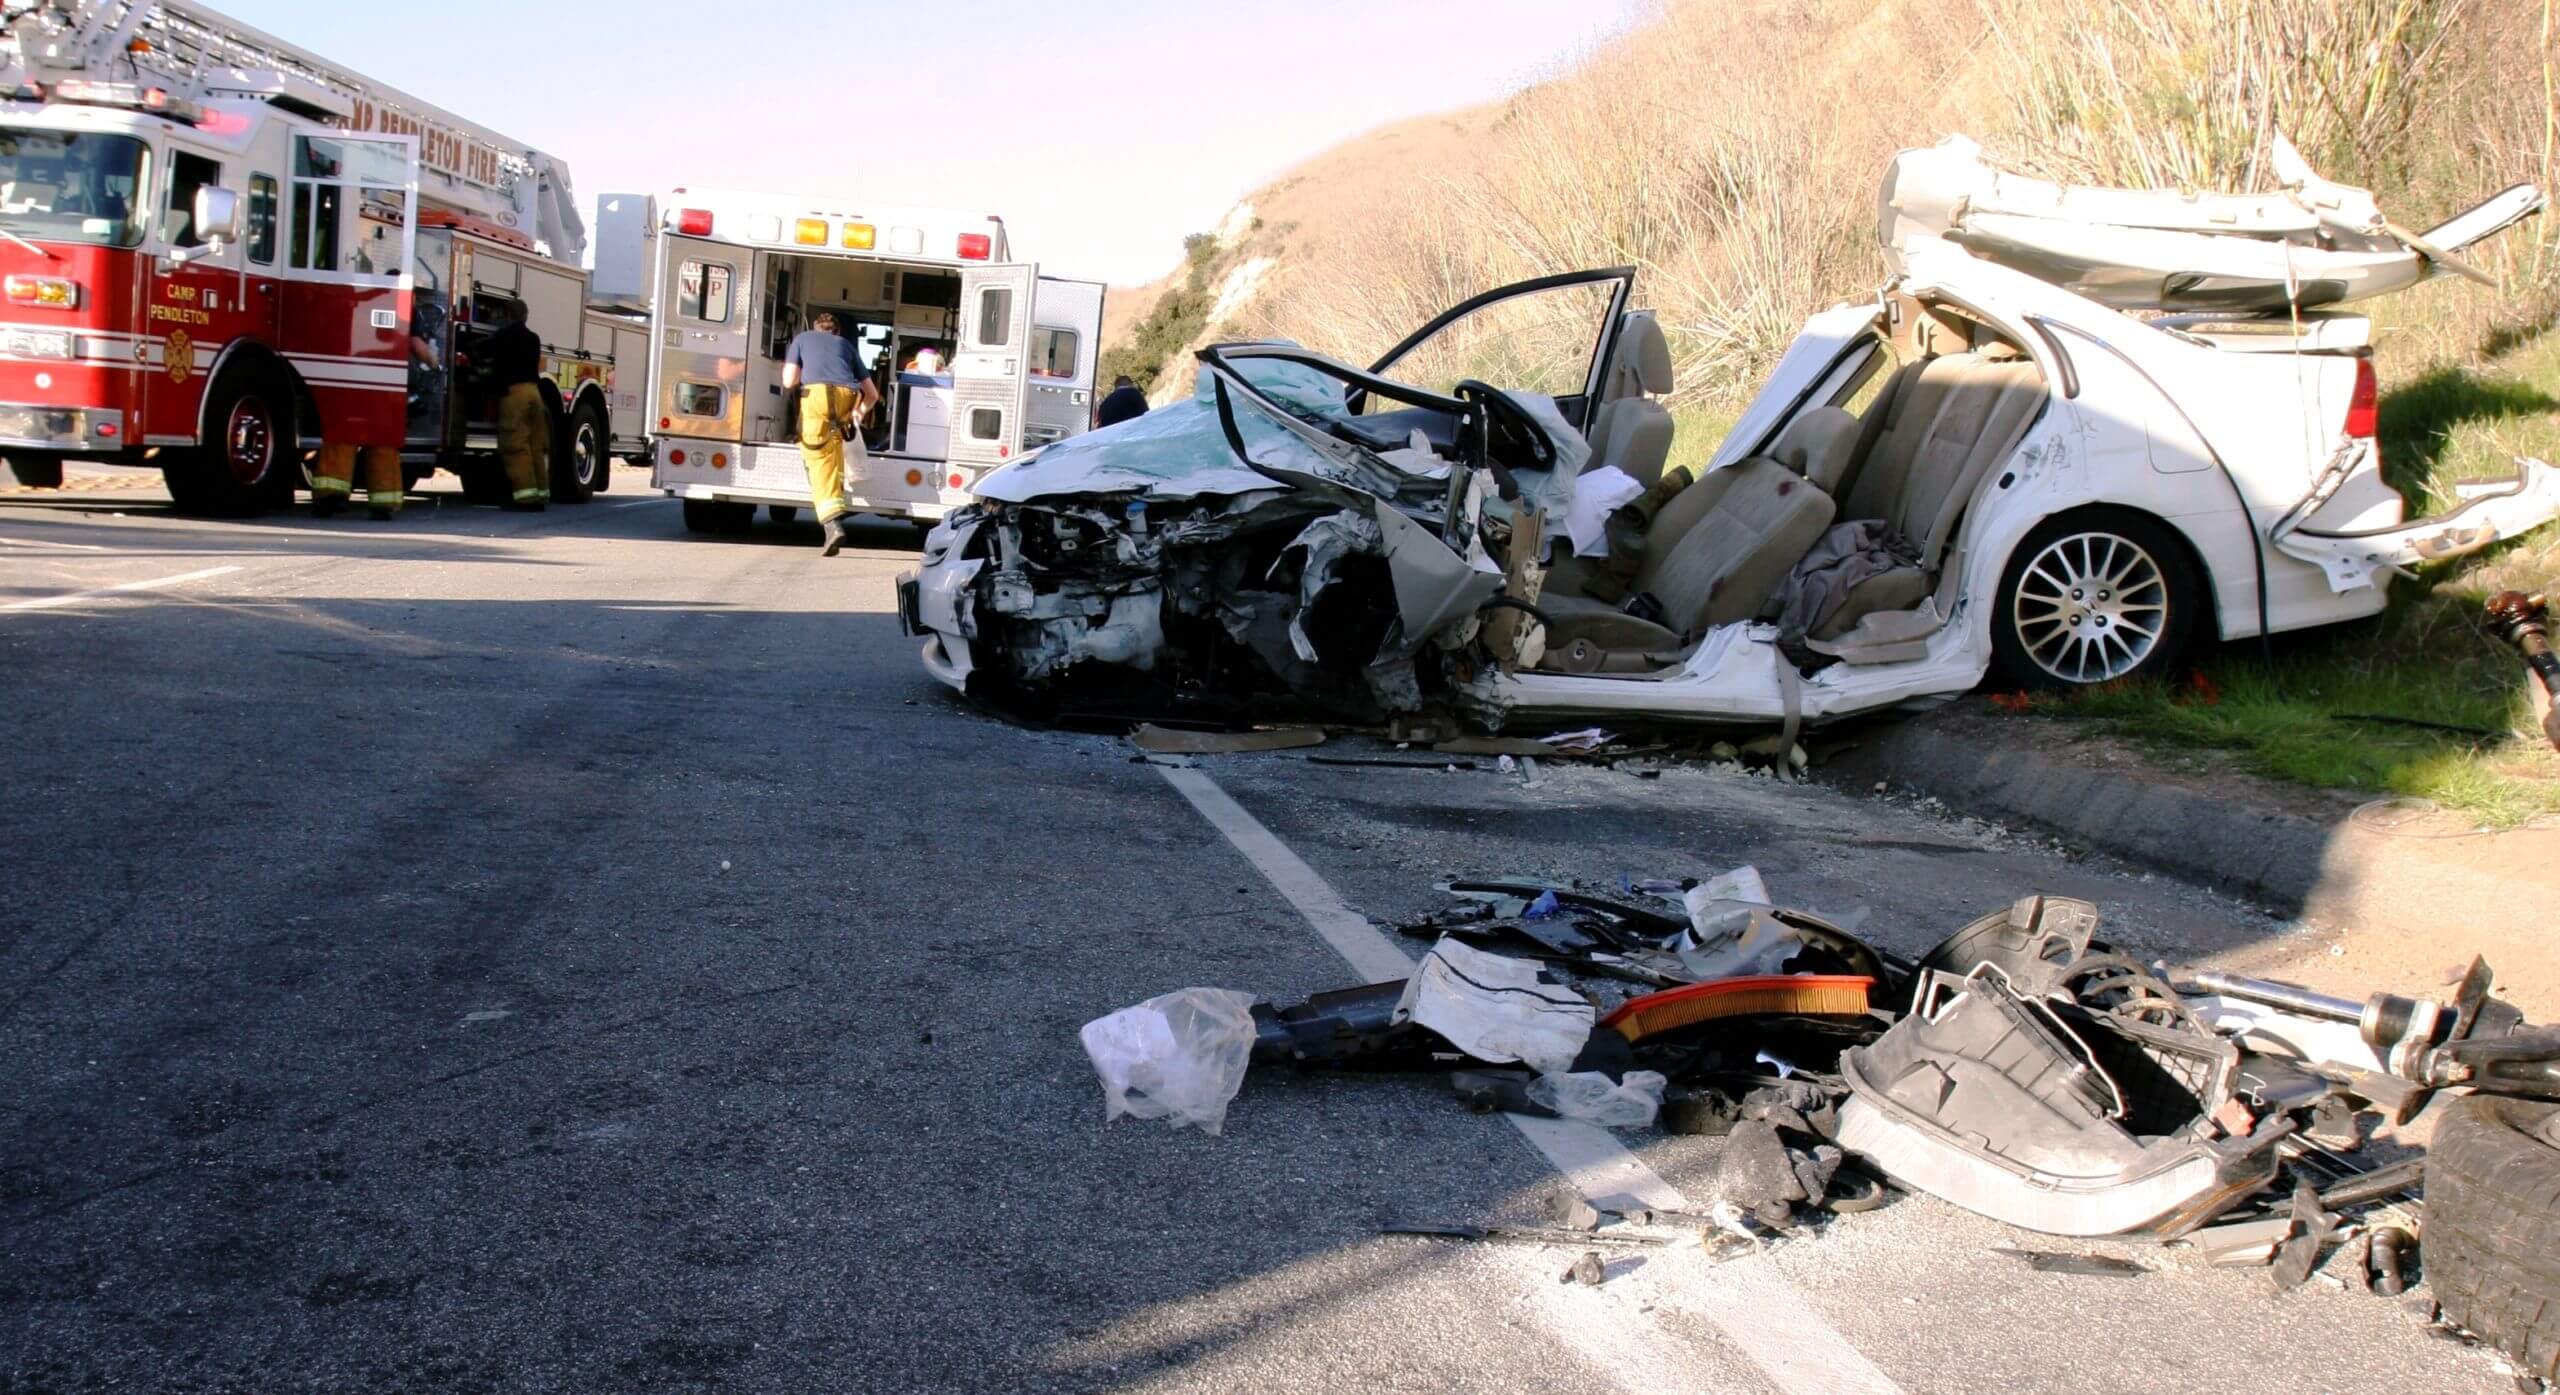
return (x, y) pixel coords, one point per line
(2091, 607)
(248, 440)
(585, 452)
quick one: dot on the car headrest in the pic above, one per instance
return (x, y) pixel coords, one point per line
(1643, 362)
(1817, 445)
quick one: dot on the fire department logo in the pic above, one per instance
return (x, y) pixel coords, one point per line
(182, 356)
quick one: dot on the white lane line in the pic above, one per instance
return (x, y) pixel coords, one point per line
(634, 503)
(1764, 1315)
(95, 592)
(40, 542)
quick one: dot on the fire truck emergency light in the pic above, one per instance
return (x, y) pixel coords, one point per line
(974, 247)
(858, 236)
(694, 222)
(810, 232)
(50, 291)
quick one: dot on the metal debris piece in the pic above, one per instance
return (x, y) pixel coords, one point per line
(2058, 1262)
(1168, 741)
(1520, 1234)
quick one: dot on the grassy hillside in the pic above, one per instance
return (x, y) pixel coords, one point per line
(1731, 150)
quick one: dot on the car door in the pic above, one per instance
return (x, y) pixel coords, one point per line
(701, 376)
(991, 370)
(347, 281)
(1554, 335)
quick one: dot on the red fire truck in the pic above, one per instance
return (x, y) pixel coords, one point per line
(217, 249)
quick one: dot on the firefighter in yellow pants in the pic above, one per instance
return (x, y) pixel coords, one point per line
(333, 481)
(834, 396)
(524, 420)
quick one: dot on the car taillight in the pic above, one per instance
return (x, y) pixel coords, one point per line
(2364, 410)
(50, 291)
(694, 222)
(974, 247)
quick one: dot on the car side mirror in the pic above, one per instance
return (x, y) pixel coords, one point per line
(217, 215)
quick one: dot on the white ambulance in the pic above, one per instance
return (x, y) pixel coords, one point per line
(978, 358)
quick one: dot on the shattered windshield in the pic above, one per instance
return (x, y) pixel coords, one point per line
(72, 186)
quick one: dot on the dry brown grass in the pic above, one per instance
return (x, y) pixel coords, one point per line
(1730, 151)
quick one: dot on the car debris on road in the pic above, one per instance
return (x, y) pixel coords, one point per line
(2023, 1069)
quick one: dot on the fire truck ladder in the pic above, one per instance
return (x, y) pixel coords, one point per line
(198, 53)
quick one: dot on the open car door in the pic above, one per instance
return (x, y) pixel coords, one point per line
(1553, 335)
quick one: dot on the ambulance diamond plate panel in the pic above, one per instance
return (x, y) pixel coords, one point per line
(968, 395)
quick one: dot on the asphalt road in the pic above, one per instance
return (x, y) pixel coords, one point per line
(497, 952)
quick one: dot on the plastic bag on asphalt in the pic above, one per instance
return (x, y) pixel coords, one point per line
(1494, 1007)
(1595, 1098)
(1180, 1054)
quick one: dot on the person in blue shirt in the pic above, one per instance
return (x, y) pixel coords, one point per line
(1124, 402)
(835, 395)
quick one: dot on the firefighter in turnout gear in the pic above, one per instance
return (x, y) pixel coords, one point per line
(834, 396)
(524, 422)
(333, 479)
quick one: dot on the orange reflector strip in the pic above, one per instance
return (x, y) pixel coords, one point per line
(810, 232)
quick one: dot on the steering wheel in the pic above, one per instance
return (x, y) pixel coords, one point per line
(1511, 434)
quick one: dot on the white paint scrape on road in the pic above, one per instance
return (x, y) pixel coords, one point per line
(120, 588)
(1757, 1311)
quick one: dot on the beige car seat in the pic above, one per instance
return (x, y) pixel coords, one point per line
(1629, 430)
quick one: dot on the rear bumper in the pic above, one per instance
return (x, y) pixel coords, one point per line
(772, 473)
(37, 426)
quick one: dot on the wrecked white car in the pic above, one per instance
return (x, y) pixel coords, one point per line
(2079, 430)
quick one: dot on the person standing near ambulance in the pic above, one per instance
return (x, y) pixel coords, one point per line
(834, 396)
(524, 422)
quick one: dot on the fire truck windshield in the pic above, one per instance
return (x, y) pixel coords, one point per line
(73, 186)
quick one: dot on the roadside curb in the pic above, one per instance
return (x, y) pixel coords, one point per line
(2243, 849)
(2373, 886)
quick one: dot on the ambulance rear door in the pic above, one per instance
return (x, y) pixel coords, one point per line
(991, 369)
(699, 362)
(1066, 348)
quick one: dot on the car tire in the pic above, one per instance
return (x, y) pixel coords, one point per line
(2075, 597)
(580, 457)
(781, 513)
(253, 462)
(37, 471)
(2492, 1229)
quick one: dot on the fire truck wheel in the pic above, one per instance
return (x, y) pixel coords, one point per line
(578, 462)
(37, 471)
(781, 513)
(248, 466)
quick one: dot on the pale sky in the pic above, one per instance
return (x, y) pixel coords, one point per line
(1101, 133)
